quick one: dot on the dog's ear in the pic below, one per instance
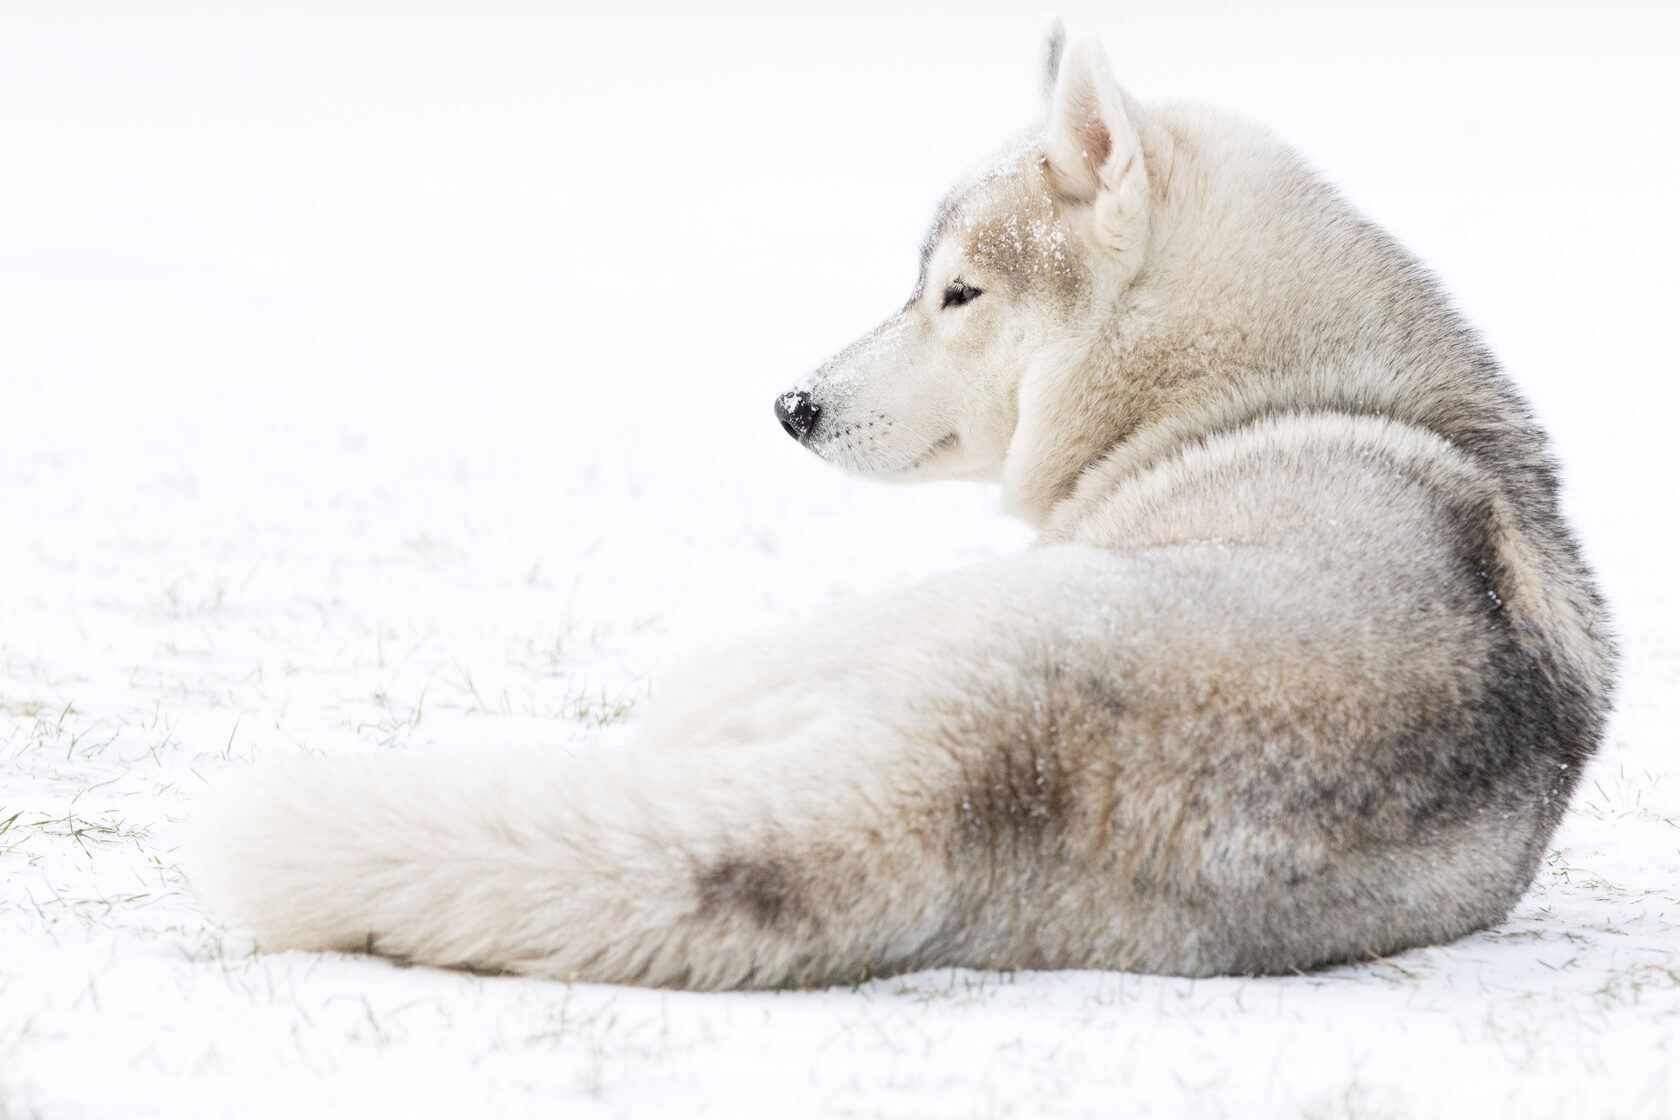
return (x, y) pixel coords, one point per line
(1050, 55)
(1092, 150)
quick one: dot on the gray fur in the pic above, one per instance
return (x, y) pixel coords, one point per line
(1304, 669)
(1050, 54)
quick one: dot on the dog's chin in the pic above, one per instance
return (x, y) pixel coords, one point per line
(943, 460)
(932, 462)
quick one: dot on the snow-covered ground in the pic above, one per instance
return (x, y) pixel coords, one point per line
(377, 377)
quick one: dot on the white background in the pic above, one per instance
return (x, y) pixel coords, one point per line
(384, 376)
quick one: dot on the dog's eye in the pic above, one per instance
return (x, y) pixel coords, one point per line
(957, 294)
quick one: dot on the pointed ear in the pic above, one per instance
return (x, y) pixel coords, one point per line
(1092, 150)
(1050, 55)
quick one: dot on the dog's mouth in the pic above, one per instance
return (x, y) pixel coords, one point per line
(940, 446)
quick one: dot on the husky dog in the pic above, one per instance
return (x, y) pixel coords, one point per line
(1304, 668)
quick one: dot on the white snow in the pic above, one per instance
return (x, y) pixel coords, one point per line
(389, 375)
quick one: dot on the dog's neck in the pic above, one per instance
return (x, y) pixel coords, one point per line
(1138, 451)
(1070, 480)
(1111, 406)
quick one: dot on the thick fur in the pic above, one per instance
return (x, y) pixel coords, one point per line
(1304, 669)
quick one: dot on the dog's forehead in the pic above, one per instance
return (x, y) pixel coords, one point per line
(1001, 216)
(1003, 220)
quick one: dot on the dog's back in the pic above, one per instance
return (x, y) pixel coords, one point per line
(1349, 716)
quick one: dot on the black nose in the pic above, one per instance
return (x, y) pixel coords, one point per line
(798, 413)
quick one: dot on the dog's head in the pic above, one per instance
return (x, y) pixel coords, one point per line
(1025, 263)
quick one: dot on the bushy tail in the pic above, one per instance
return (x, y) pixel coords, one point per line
(707, 868)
